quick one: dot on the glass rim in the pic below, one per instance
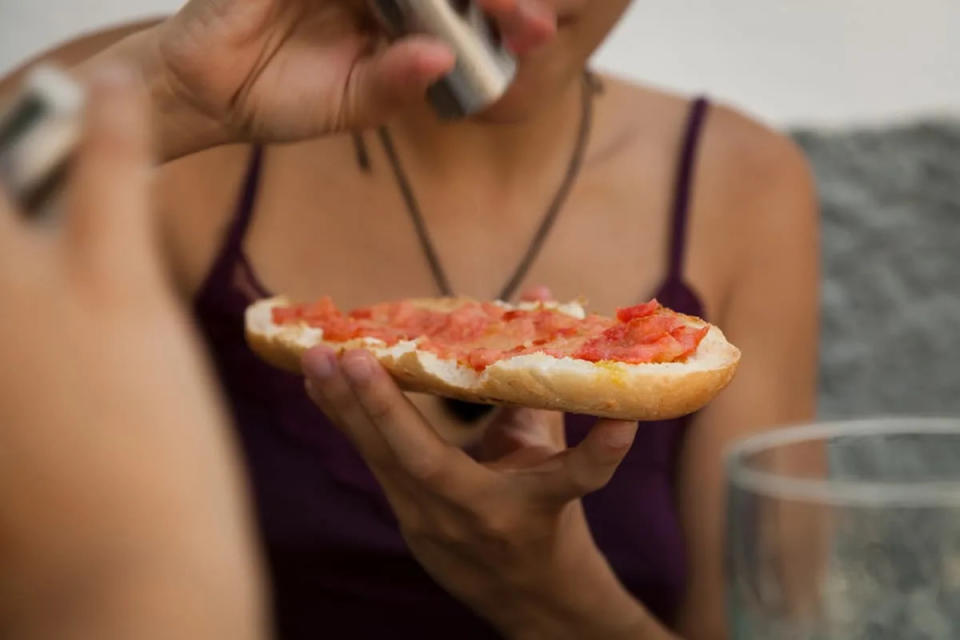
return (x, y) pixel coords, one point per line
(843, 491)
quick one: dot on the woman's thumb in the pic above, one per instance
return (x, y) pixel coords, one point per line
(391, 79)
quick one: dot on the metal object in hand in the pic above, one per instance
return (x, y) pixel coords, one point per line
(484, 68)
(39, 131)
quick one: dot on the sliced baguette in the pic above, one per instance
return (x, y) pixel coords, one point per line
(605, 389)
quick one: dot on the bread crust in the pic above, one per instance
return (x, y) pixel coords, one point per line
(606, 389)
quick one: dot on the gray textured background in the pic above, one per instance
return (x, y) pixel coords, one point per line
(891, 266)
(890, 345)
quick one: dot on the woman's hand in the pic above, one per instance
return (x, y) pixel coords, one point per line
(281, 70)
(121, 504)
(507, 535)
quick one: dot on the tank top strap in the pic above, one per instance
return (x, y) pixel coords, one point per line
(220, 278)
(683, 187)
(233, 241)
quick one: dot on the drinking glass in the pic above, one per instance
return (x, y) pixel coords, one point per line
(846, 530)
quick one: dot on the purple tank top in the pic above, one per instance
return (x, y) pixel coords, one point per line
(334, 553)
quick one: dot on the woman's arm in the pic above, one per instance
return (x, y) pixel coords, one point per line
(222, 71)
(123, 511)
(226, 71)
(758, 198)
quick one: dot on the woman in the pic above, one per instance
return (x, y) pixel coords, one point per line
(686, 200)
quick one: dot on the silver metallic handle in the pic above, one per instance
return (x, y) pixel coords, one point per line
(39, 131)
(484, 68)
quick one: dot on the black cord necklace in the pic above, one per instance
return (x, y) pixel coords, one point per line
(468, 411)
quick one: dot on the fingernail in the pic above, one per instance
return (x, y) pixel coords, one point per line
(436, 56)
(357, 367)
(621, 437)
(320, 366)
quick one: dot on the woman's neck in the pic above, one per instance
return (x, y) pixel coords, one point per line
(495, 153)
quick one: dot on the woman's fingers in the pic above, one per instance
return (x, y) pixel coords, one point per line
(15, 260)
(9, 225)
(361, 397)
(327, 386)
(525, 24)
(417, 448)
(109, 225)
(588, 466)
(399, 74)
(392, 436)
(392, 78)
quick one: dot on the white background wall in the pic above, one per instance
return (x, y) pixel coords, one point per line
(790, 61)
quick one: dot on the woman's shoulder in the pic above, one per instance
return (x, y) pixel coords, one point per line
(753, 191)
(739, 158)
(735, 140)
(755, 206)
